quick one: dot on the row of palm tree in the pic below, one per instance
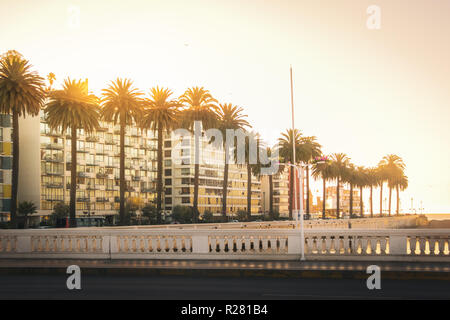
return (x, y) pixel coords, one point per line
(74, 108)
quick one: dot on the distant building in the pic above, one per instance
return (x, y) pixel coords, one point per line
(5, 166)
(344, 200)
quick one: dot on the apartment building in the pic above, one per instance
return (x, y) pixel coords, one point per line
(344, 200)
(45, 159)
(179, 178)
(5, 166)
(280, 185)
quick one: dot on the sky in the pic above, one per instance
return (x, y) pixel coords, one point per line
(364, 92)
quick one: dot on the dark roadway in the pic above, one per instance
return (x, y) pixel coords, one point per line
(32, 286)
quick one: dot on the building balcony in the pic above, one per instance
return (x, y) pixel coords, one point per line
(52, 146)
(102, 176)
(54, 185)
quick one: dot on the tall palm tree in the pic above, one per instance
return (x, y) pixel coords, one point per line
(323, 169)
(200, 106)
(72, 107)
(400, 185)
(229, 117)
(286, 142)
(350, 176)
(339, 162)
(310, 150)
(22, 93)
(252, 168)
(381, 174)
(394, 167)
(160, 115)
(362, 181)
(123, 104)
(372, 180)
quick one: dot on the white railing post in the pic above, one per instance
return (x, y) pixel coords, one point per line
(294, 244)
(23, 244)
(397, 245)
(200, 244)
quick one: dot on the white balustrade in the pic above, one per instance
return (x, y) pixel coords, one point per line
(238, 244)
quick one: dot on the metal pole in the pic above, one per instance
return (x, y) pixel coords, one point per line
(294, 204)
(302, 231)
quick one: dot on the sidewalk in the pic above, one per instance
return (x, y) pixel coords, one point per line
(291, 269)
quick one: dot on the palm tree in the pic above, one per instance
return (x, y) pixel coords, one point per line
(285, 150)
(340, 162)
(229, 117)
(22, 93)
(72, 107)
(350, 176)
(394, 167)
(200, 106)
(372, 180)
(322, 169)
(382, 176)
(122, 103)
(310, 150)
(252, 168)
(362, 181)
(26, 208)
(400, 185)
(161, 114)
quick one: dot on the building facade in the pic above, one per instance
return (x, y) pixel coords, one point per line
(5, 166)
(98, 159)
(179, 178)
(344, 200)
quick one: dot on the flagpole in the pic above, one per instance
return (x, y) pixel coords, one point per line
(300, 176)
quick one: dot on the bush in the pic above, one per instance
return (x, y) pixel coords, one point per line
(182, 214)
(150, 212)
(241, 216)
(207, 217)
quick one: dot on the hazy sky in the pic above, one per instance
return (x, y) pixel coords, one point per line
(363, 92)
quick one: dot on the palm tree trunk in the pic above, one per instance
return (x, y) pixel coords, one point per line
(160, 174)
(271, 193)
(196, 182)
(371, 201)
(398, 200)
(390, 198)
(122, 171)
(307, 189)
(15, 169)
(249, 192)
(291, 192)
(73, 179)
(361, 203)
(225, 190)
(324, 197)
(337, 198)
(381, 200)
(351, 201)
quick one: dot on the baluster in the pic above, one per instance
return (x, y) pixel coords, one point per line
(332, 245)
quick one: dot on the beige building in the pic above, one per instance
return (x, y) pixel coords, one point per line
(179, 178)
(45, 162)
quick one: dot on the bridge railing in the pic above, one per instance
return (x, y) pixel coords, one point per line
(232, 244)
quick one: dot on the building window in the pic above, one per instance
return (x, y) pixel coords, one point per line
(167, 153)
(168, 182)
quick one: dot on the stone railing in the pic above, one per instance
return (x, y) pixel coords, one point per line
(242, 244)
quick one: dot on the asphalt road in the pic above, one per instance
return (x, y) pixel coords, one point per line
(31, 286)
